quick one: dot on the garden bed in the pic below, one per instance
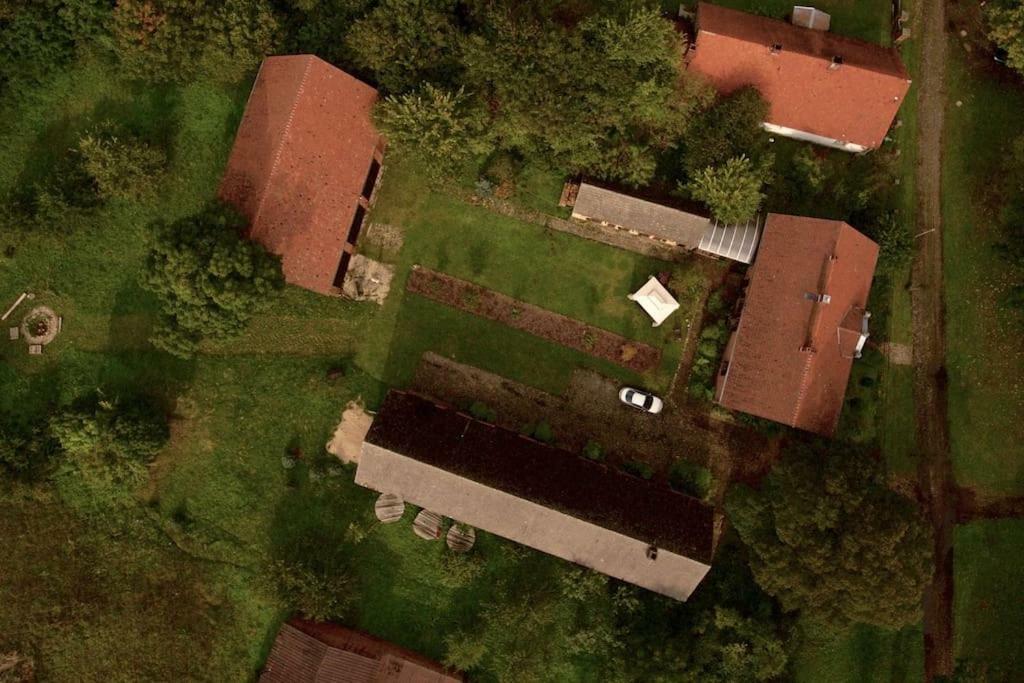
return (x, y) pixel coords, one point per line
(534, 320)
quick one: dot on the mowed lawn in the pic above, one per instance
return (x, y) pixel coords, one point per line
(989, 599)
(985, 354)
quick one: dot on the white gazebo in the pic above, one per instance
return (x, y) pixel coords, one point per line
(655, 299)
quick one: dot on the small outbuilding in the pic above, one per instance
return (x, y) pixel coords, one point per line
(655, 300)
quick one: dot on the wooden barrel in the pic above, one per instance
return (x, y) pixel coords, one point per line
(389, 508)
(461, 538)
(427, 525)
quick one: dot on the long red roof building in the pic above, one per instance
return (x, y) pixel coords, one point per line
(304, 165)
(821, 87)
(803, 322)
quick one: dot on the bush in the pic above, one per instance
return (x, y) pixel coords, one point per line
(461, 569)
(593, 451)
(318, 595)
(122, 168)
(27, 452)
(543, 432)
(638, 469)
(690, 478)
(482, 411)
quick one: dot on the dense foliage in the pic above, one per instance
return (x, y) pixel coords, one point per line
(732, 191)
(829, 538)
(1006, 29)
(122, 168)
(209, 279)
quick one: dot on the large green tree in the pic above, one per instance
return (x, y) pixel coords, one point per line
(1006, 29)
(406, 42)
(600, 95)
(732, 190)
(210, 281)
(441, 129)
(731, 127)
(180, 40)
(827, 537)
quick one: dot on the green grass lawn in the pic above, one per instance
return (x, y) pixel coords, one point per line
(865, 19)
(985, 356)
(989, 601)
(864, 654)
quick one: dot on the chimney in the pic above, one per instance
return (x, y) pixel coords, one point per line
(837, 62)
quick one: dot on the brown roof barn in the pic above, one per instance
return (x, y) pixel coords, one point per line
(304, 165)
(310, 652)
(537, 495)
(821, 87)
(803, 321)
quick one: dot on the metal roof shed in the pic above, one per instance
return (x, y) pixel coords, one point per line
(656, 300)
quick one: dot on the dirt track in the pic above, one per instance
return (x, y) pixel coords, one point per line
(928, 320)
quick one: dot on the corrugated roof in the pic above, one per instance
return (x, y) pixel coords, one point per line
(854, 101)
(736, 241)
(299, 163)
(790, 359)
(310, 652)
(631, 213)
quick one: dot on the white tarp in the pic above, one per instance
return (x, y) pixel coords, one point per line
(656, 300)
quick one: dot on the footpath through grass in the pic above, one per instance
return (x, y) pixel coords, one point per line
(985, 355)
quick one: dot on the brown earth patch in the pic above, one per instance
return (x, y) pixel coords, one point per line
(553, 327)
(347, 441)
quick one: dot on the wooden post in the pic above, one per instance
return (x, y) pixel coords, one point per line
(14, 305)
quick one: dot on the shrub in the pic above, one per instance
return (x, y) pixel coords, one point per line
(122, 168)
(593, 451)
(461, 569)
(709, 349)
(638, 469)
(690, 478)
(318, 595)
(482, 411)
(544, 433)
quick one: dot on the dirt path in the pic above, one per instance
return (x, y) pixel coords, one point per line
(928, 319)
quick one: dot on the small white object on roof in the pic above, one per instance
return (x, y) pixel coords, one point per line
(809, 17)
(736, 241)
(655, 299)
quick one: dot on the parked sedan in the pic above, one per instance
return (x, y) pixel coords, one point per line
(641, 400)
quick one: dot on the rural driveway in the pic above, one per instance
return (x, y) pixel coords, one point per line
(928, 321)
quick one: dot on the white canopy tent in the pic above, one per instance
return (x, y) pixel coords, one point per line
(656, 300)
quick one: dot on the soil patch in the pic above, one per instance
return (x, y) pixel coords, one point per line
(537, 321)
(350, 433)
(367, 280)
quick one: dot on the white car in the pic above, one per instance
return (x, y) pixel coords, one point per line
(641, 400)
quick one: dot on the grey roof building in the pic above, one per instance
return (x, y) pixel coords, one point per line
(534, 494)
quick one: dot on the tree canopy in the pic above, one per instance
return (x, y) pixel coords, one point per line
(1006, 29)
(209, 280)
(828, 538)
(732, 191)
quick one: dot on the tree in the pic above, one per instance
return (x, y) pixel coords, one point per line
(599, 94)
(732, 191)
(728, 129)
(828, 538)
(181, 40)
(107, 445)
(406, 42)
(208, 279)
(122, 168)
(26, 451)
(38, 36)
(442, 130)
(1006, 29)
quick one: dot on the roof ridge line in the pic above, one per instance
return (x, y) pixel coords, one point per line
(802, 392)
(284, 135)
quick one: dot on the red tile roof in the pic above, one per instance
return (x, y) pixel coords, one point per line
(300, 161)
(855, 102)
(791, 356)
